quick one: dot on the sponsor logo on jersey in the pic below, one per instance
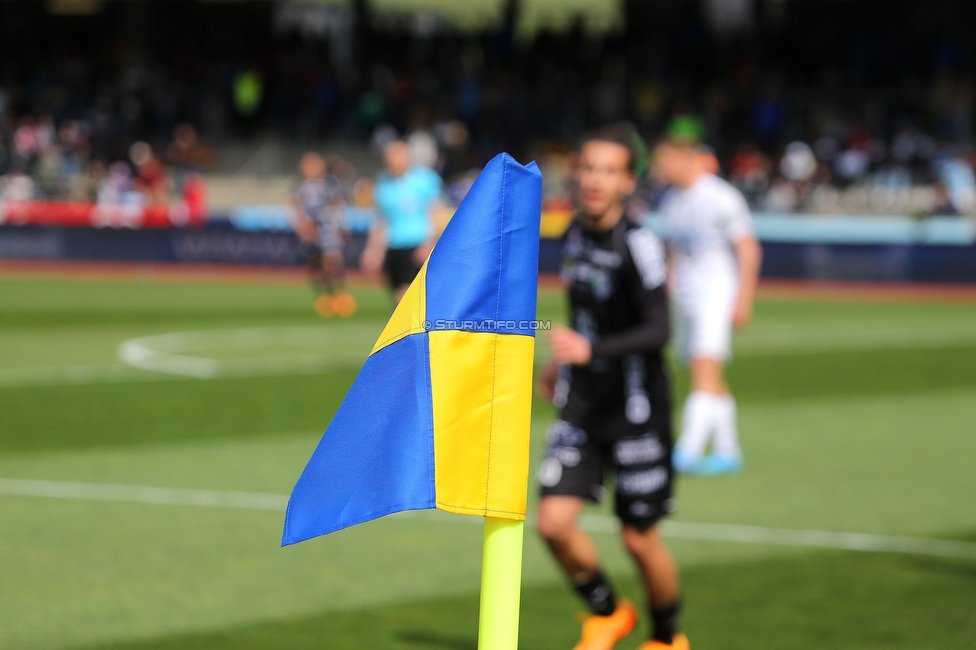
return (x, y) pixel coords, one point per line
(648, 254)
(564, 434)
(638, 409)
(568, 456)
(604, 258)
(550, 472)
(637, 451)
(642, 509)
(599, 279)
(643, 482)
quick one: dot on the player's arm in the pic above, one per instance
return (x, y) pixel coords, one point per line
(645, 274)
(422, 251)
(736, 220)
(748, 254)
(304, 225)
(569, 346)
(652, 334)
(372, 258)
(436, 202)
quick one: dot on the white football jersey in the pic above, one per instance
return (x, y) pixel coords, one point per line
(703, 222)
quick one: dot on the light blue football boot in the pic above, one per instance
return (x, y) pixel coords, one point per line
(719, 464)
(685, 464)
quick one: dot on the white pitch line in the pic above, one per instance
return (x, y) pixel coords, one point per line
(142, 494)
(591, 523)
(821, 539)
(349, 345)
(69, 375)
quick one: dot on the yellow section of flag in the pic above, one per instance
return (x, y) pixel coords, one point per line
(481, 389)
(408, 317)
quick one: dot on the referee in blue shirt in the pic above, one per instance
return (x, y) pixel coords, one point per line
(404, 234)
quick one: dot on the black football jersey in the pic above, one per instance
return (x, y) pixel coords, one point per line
(616, 285)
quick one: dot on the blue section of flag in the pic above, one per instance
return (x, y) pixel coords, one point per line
(377, 456)
(496, 227)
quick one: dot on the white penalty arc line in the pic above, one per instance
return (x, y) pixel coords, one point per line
(591, 523)
(164, 353)
(162, 356)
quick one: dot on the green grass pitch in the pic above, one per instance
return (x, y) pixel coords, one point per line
(855, 417)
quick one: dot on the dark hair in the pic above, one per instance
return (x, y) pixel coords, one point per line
(624, 134)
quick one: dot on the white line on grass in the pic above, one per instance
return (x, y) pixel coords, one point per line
(67, 375)
(164, 356)
(591, 523)
(347, 345)
(142, 494)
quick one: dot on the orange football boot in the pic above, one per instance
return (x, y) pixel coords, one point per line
(323, 306)
(603, 632)
(679, 642)
(344, 304)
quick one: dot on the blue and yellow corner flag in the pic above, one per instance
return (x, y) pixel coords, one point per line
(439, 415)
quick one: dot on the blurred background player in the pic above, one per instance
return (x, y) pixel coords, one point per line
(406, 195)
(609, 380)
(317, 203)
(359, 218)
(715, 259)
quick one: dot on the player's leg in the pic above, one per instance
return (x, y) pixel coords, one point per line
(708, 375)
(572, 548)
(696, 430)
(697, 415)
(570, 475)
(661, 578)
(709, 409)
(314, 261)
(657, 565)
(727, 454)
(707, 379)
(399, 292)
(333, 268)
(710, 406)
(612, 618)
(643, 498)
(401, 270)
(313, 264)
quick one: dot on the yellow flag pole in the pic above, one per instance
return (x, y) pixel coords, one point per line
(501, 584)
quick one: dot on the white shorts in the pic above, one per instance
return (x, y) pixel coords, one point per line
(705, 322)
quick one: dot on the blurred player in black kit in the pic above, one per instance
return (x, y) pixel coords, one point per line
(609, 381)
(317, 204)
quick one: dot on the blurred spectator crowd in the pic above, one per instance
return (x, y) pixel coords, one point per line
(46, 161)
(816, 110)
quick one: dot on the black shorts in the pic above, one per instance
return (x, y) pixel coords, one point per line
(312, 254)
(639, 455)
(400, 266)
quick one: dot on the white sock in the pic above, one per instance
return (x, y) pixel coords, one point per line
(697, 423)
(726, 430)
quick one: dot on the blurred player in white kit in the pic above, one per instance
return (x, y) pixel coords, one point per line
(715, 260)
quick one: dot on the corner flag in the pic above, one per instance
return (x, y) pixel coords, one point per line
(439, 415)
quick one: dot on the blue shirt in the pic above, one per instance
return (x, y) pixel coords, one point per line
(404, 203)
(359, 219)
